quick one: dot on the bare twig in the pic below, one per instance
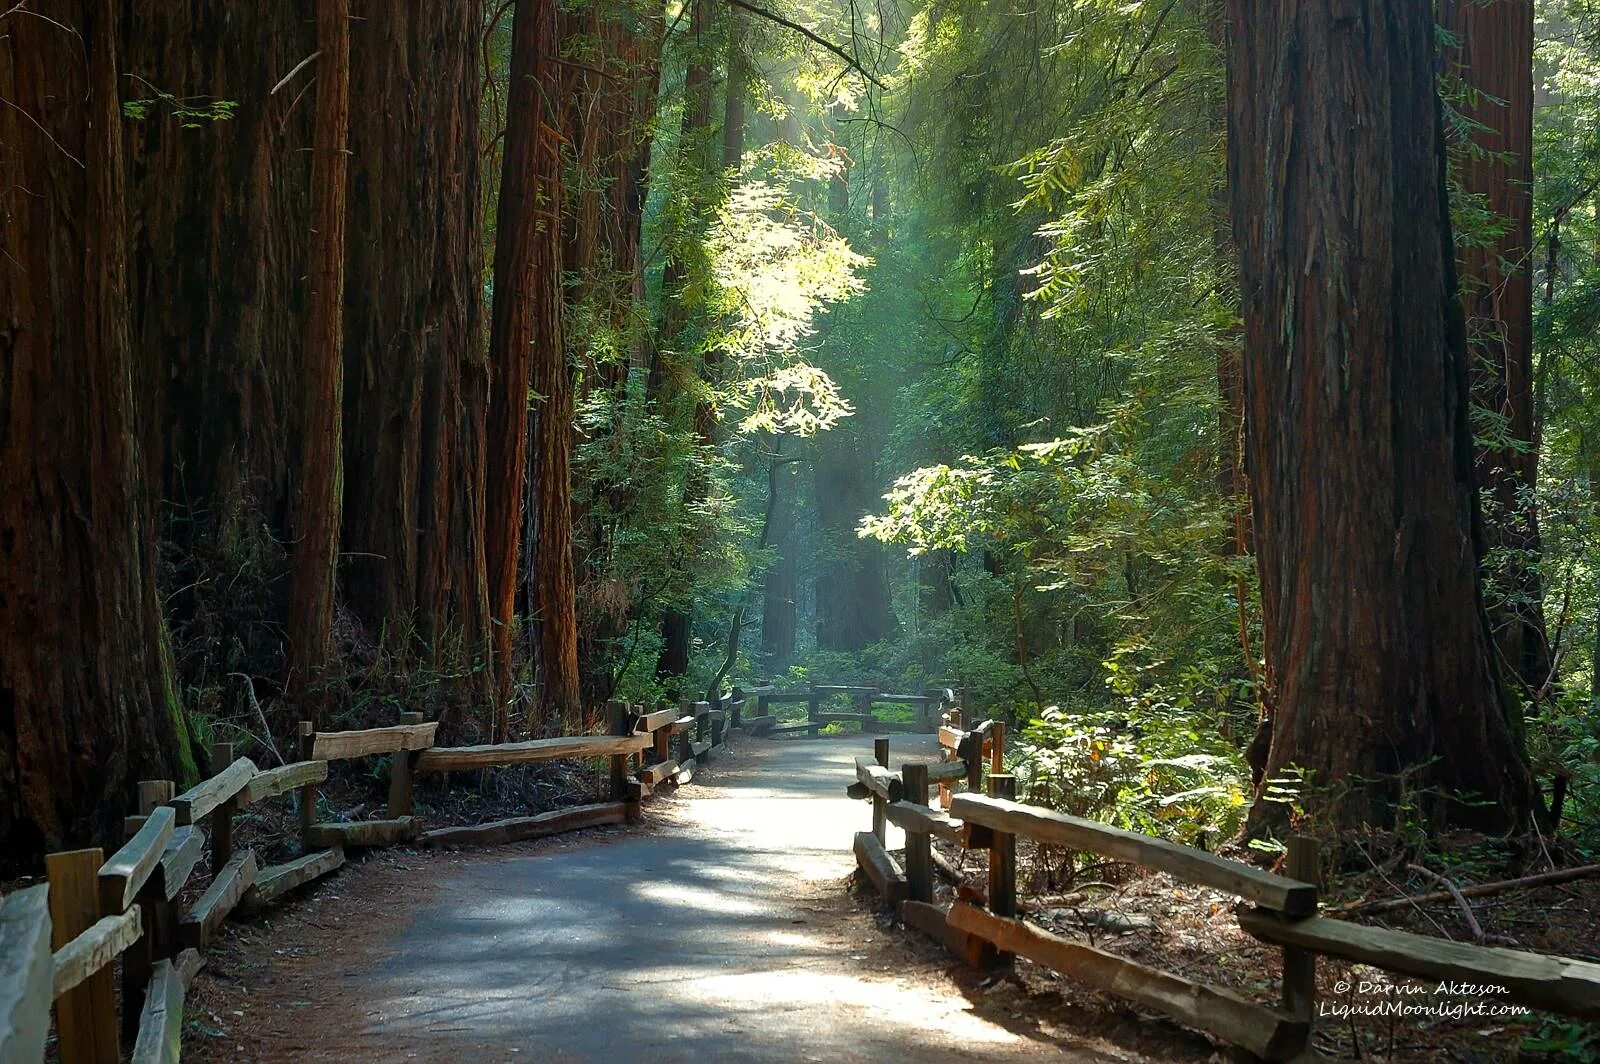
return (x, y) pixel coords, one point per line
(1482, 890)
(1455, 893)
(809, 35)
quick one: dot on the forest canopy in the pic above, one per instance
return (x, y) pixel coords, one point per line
(497, 360)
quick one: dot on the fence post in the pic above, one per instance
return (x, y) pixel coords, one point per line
(400, 775)
(880, 752)
(719, 706)
(1300, 965)
(222, 817)
(1003, 854)
(663, 739)
(153, 945)
(764, 707)
(308, 793)
(997, 751)
(736, 707)
(919, 847)
(686, 737)
(617, 724)
(813, 711)
(86, 1015)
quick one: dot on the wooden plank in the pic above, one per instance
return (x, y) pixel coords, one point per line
(785, 729)
(919, 818)
(876, 864)
(650, 722)
(699, 750)
(945, 771)
(202, 798)
(276, 781)
(788, 697)
(681, 725)
(454, 758)
(161, 1021)
(844, 689)
(94, 949)
(275, 881)
(519, 828)
(755, 725)
(879, 780)
(227, 888)
(127, 870)
(1184, 862)
(1238, 1021)
(845, 718)
(1540, 981)
(950, 738)
(658, 773)
(685, 772)
(25, 975)
(86, 1016)
(179, 858)
(901, 700)
(931, 920)
(364, 832)
(341, 745)
(188, 963)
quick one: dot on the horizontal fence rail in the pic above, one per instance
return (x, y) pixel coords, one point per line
(62, 942)
(1282, 909)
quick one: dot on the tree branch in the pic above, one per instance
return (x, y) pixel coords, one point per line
(811, 36)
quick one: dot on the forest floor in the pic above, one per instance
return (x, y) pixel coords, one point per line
(720, 928)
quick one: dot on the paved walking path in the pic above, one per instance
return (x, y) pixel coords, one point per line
(720, 930)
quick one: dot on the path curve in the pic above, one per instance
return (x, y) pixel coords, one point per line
(720, 931)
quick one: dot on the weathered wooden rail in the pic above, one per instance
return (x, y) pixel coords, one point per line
(863, 699)
(62, 942)
(1281, 910)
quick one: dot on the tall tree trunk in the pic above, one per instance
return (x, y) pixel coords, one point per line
(321, 472)
(672, 369)
(217, 229)
(85, 692)
(853, 609)
(1360, 455)
(553, 597)
(512, 329)
(414, 374)
(1496, 61)
(778, 614)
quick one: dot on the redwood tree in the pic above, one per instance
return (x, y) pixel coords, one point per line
(86, 702)
(316, 512)
(517, 261)
(416, 383)
(1356, 384)
(1494, 61)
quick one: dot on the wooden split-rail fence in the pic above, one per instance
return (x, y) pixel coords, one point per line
(864, 701)
(60, 940)
(1281, 910)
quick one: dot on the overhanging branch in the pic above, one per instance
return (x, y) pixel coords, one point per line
(812, 36)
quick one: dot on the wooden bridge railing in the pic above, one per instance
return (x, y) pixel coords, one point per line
(60, 941)
(1282, 910)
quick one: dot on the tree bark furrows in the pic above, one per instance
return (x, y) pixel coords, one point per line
(1495, 59)
(513, 324)
(86, 703)
(414, 374)
(319, 491)
(1356, 387)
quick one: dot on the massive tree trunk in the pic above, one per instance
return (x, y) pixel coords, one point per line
(86, 702)
(512, 326)
(317, 502)
(415, 378)
(1359, 449)
(553, 580)
(1495, 60)
(218, 227)
(673, 369)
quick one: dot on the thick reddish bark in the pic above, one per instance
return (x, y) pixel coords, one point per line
(86, 703)
(553, 580)
(218, 227)
(1495, 59)
(315, 519)
(512, 328)
(1359, 450)
(415, 378)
